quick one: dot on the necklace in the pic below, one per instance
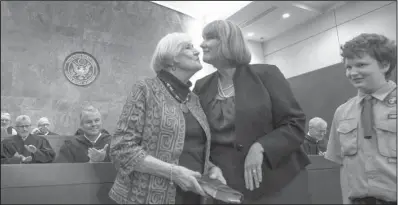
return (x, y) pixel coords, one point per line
(221, 90)
(183, 105)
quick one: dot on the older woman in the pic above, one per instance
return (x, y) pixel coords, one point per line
(162, 141)
(254, 120)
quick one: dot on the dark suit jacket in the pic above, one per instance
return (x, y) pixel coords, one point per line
(311, 146)
(268, 113)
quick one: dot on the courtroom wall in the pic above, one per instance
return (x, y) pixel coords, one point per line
(36, 37)
(315, 44)
(320, 92)
(256, 51)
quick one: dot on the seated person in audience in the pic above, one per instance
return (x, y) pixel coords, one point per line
(43, 125)
(6, 123)
(91, 144)
(313, 142)
(363, 135)
(4, 134)
(25, 147)
(81, 132)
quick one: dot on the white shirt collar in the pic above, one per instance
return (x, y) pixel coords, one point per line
(24, 138)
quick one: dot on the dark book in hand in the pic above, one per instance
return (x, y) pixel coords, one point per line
(220, 191)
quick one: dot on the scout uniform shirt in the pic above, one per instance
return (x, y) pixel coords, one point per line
(369, 165)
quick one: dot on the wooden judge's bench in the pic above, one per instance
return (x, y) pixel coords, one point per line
(89, 183)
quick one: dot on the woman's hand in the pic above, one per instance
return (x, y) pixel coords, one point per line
(253, 162)
(187, 180)
(216, 173)
(35, 131)
(97, 155)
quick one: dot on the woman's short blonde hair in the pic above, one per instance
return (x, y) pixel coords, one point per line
(168, 47)
(233, 46)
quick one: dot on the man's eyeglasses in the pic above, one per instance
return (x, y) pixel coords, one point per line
(44, 125)
(23, 126)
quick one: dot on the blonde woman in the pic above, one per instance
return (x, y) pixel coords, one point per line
(162, 142)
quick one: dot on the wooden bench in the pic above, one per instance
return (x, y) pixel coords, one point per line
(89, 183)
(73, 183)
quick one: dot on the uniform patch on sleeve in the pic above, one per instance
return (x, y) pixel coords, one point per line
(392, 116)
(392, 160)
(392, 100)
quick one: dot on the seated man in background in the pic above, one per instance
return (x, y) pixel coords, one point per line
(43, 125)
(363, 135)
(25, 147)
(313, 142)
(6, 123)
(91, 144)
(4, 134)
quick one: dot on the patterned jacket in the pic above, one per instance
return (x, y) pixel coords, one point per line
(151, 123)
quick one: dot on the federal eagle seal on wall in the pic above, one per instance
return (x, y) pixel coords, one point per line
(81, 68)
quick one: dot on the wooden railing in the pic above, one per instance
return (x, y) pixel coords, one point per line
(89, 183)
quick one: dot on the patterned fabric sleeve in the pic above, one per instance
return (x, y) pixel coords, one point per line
(125, 150)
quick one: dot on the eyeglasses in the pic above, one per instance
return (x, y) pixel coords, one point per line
(319, 131)
(23, 126)
(5, 120)
(44, 125)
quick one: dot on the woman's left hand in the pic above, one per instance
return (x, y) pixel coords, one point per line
(253, 162)
(216, 173)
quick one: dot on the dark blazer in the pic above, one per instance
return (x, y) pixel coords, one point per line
(311, 146)
(268, 113)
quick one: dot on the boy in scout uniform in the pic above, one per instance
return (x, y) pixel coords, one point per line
(363, 135)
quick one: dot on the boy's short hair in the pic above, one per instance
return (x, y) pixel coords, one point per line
(377, 46)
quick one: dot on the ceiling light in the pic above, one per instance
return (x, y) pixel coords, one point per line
(250, 34)
(286, 15)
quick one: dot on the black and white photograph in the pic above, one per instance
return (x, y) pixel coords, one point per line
(199, 102)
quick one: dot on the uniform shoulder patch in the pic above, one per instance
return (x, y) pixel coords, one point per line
(391, 99)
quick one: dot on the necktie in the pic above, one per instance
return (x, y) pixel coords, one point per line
(367, 116)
